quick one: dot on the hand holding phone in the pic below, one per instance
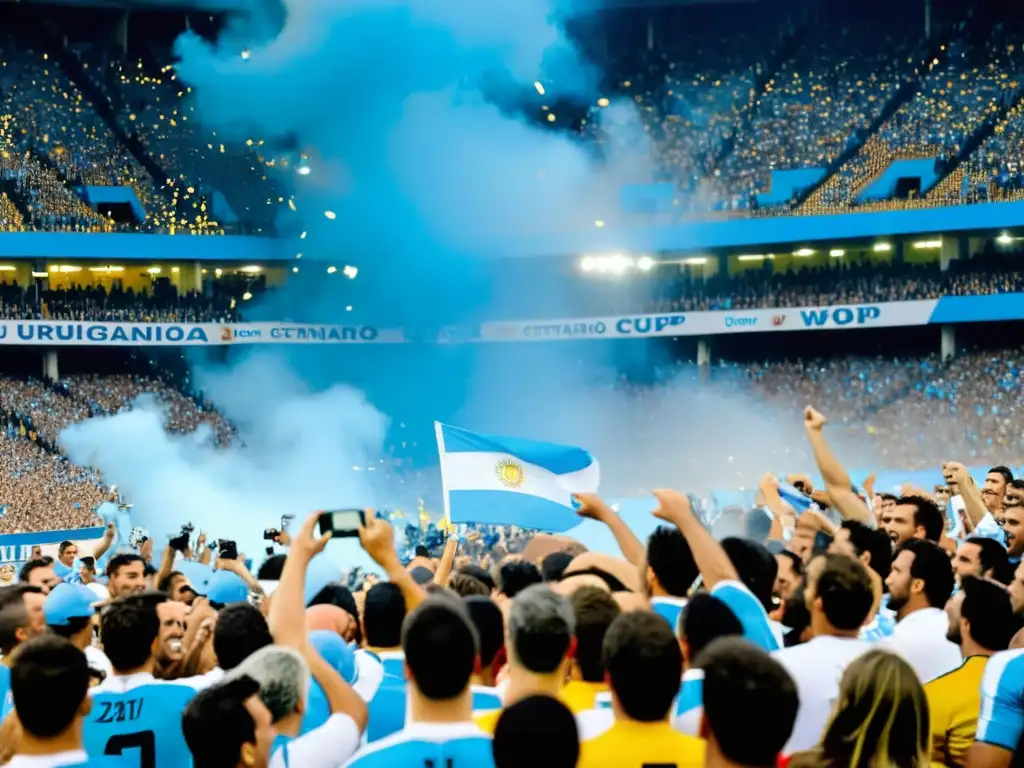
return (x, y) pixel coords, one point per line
(343, 523)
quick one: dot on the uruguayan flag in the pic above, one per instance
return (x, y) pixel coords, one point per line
(494, 480)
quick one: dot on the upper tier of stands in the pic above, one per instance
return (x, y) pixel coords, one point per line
(725, 98)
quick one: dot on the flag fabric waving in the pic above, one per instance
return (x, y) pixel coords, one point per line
(494, 480)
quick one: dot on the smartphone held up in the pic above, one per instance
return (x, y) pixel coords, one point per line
(342, 523)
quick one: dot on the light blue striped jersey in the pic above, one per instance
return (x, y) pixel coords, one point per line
(669, 608)
(757, 627)
(1001, 720)
(443, 745)
(6, 700)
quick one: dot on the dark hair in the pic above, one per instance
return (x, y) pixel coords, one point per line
(64, 545)
(1001, 470)
(756, 567)
(612, 582)
(595, 610)
(89, 562)
(489, 624)
(644, 663)
(13, 614)
(845, 591)
(516, 575)
(216, 723)
(120, 560)
(931, 565)
(479, 573)
(339, 595)
(795, 560)
(440, 628)
(744, 685)
(670, 558)
(421, 551)
(926, 514)
(987, 607)
(553, 566)
(533, 721)
(164, 585)
(992, 556)
(705, 618)
(71, 626)
(270, 569)
(795, 617)
(49, 681)
(128, 628)
(31, 565)
(240, 631)
(875, 542)
(383, 614)
(465, 586)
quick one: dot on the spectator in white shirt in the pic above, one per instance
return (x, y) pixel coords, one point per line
(920, 583)
(284, 678)
(49, 684)
(839, 596)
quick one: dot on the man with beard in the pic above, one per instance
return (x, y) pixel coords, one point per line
(920, 583)
(981, 623)
(913, 517)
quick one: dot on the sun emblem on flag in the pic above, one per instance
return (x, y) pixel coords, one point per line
(510, 473)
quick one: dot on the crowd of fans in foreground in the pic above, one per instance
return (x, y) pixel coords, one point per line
(834, 627)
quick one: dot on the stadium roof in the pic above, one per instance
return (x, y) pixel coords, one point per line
(233, 5)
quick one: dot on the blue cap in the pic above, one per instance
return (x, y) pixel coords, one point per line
(225, 587)
(199, 575)
(335, 652)
(68, 601)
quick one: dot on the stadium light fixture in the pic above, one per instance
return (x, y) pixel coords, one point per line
(246, 296)
(154, 270)
(603, 102)
(922, 245)
(696, 260)
(218, 272)
(836, 253)
(350, 272)
(40, 274)
(751, 257)
(175, 270)
(1004, 239)
(804, 252)
(6, 268)
(295, 269)
(331, 270)
(68, 268)
(881, 247)
(645, 263)
(348, 308)
(251, 268)
(539, 87)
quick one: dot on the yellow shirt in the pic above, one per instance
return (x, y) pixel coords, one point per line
(629, 744)
(954, 701)
(577, 696)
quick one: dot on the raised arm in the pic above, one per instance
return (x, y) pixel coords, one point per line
(594, 507)
(837, 481)
(378, 539)
(287, 618)
(712, 561)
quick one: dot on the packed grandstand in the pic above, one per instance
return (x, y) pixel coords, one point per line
(834, 589)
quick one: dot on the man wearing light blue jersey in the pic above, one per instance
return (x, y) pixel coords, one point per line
(1001, 721)
(50, 684)
(382, 616)
(441, 652)
(133, 713)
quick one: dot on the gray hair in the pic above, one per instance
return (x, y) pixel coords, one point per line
(283, 676)
(541, 624)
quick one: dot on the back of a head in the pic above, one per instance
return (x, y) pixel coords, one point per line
(845, 591)
(128, 628)
(704, 619)
(217, 723)
(756, 566)
(644, 663)
(240, 631)
(536, 732)
(482, 574)
(489, 624)
(880, 716)
(13, 615)
(541, 625)
(516, 575)
(670, 558)
(594, 610)
(931, 564)
(440, 628)
(465, 586)
(744, 685)
(337, 594)
(987, 609)
(283, 676)
(270, 569)
(553, 566)
(873, 541)
(49, 681)
(383, 614)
